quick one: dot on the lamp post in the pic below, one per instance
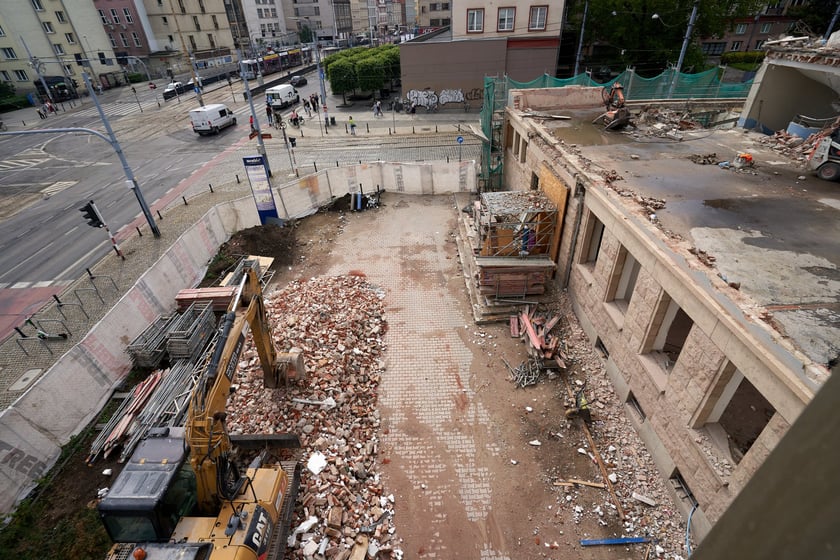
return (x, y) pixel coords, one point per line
(580, 43)
(686, 39)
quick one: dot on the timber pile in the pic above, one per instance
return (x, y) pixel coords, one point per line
(536, 330)
(338, 323)
(217, 297)
(511, 281)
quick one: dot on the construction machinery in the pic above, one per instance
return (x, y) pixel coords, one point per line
(616, 115)
(181, 495)
(825, 158)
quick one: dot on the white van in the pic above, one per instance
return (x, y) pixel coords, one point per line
(211, 118)
(282, 96)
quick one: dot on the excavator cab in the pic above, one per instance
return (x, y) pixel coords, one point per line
(616, 115)
(156, 488)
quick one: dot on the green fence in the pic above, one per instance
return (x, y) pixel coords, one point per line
(705, 85)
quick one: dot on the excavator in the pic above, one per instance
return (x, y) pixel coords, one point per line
(616, 115)
(182, 495)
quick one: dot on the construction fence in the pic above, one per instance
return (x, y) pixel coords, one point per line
(667, 85)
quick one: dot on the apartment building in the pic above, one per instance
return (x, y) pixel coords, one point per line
(433, 14)
(65, 36)
(190, 31)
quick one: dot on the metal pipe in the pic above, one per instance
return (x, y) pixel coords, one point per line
(687, 38)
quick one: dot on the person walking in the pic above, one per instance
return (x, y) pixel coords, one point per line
(41, 113)
(269, 113)
(352, 124)
(251, 122)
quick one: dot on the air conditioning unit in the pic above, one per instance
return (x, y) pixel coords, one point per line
(123, 26)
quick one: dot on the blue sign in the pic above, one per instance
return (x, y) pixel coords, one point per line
(260, 187)
(460, 139)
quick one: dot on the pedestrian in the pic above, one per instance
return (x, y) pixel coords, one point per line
(268, 113)
(379, 108)
(352, 124)
(41, 113)
(50, 107)
(251, 122)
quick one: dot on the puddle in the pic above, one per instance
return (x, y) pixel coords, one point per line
(588, 134)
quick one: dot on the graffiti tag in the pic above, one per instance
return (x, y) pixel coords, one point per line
(424, 98)
(450, 96)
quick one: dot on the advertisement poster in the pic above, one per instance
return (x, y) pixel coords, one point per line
(260, 187)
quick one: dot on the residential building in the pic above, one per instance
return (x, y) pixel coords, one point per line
(238, 26)
(433, 14)
(266, 24)
(519, 39)
(319, 15)
(66, 37)
(191, 31)
(749, 34)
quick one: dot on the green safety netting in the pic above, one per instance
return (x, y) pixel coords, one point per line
(705, 85)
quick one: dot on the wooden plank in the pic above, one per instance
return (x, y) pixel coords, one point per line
(360, 549)
(529, 328)
(551, 324)
(514, 326)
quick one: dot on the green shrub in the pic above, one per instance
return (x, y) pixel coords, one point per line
(738, 57)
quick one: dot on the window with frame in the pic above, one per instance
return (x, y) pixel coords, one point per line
(759, 44)
(20, 75)
(736, 46)
(593, 235)
(136, 38)
(741, 29)
(5, 75)
(215, 21)
(70, 38)
(115, 15)
(667, 334)
(38, 7)
(259, 13)
(124, 39)
(103, 17)
(211, 40)
(506, 18)
(622, 281)
(58, 49)
(192, 42)
(127, 15)
(165, 20)
(475, 21)
(48, 28)
(537, 18)
(111, 38)
(434, 22)
(318, 13)
(274, 12)
(59, 15)
(9, 53)
(766, 27)
(201, 7)
(196, 23)
(713, 49)
(182, 7)
(445, 21)
(2, 33)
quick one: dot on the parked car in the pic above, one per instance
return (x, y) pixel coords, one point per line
(297, 81)
(173, 89)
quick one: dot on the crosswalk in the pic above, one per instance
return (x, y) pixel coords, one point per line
(34, 284)
(22, 163)
(111, 110)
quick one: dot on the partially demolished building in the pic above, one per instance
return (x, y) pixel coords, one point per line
(709, 287)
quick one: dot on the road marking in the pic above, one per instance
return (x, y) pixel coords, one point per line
(58, 186)
(83, 257)
(72, 230)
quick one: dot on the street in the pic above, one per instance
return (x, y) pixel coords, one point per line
(45, 179)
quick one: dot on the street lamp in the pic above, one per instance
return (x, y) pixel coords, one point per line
(686, 39)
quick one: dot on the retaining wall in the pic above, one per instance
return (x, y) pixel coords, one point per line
(73, 391)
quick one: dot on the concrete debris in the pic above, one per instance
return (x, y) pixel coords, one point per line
(644, 499)
(338, 324)
(796, 147)
(703, 256)
(704, 159)
(535, 443)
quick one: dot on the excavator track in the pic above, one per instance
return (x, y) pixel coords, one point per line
(277, 547)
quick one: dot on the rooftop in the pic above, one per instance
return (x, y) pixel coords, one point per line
(770, 231)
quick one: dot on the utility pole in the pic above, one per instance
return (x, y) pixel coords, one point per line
(687, 38)
(189, 55)
(260, 143)
(36, 65)
(580, 42)
(131, 182)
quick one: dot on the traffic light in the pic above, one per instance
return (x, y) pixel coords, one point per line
(91, 215)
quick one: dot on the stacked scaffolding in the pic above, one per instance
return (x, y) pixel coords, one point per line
(190, 332)
(149, 348)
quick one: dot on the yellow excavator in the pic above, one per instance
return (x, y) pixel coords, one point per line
(181, 495)
(616, 115)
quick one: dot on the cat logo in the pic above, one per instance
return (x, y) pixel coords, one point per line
(259, 531)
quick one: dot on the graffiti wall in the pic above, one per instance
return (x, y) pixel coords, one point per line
(428, 98)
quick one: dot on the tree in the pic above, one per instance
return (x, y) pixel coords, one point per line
(625, 33)
(370, 73)
(7, 89)
(816, 15)
(342, 77)
(306, 35)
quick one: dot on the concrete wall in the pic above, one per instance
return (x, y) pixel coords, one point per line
(467, 62)
(45, 417)
(675, 401)
(781, 91)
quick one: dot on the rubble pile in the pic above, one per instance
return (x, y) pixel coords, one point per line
(647, 505)
(338, 324)
(664, 123)
(796, 147)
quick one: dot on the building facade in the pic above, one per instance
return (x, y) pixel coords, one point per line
(190, 32)
(433, 14)
(519, 39)
(65, 37)
(710, 387)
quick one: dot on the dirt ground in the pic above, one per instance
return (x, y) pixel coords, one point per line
(538, 518)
